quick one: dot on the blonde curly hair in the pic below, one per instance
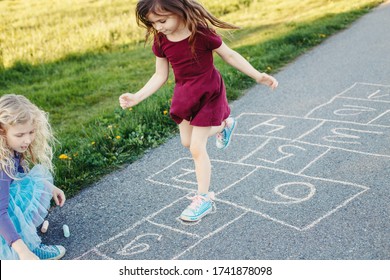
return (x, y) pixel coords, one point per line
(17, 109)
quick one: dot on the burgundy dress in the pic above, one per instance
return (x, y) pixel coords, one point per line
(199, 95)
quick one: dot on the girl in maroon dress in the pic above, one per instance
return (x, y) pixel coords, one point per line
(183, 38)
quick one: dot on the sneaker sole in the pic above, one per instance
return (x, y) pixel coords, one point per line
(197, 218)
(62, 253)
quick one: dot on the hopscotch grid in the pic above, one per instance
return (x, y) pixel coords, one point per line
(344, 149)
(314, 161)
(176, 178)
(209, 235)
(256, 167)
(310, 131)
(362, 99)
(334, 210)
(330, 101)
(258, 213)
(169, 185)
(372, 84)
(263, 136)
(236, 182)
(255, 151)
(138, 223)
(307, 227)
(174, 229)
(97, 252)
(378, 117)
(307, 118)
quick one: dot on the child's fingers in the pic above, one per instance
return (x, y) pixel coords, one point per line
(124, 101)
(59, 198)
(55, 198)
(274, 84)
(123, 105)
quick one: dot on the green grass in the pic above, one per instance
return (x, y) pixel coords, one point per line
(74, 58)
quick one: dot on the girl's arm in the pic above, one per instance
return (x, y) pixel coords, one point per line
(158, 79)
(240, 63)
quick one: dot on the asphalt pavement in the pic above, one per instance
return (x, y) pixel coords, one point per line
(305, 177)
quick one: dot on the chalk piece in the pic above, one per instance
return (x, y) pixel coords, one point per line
(65, 228)
(45, 226)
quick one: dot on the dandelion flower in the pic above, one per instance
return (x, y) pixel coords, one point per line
(165, 112)
(118, 137)
(63, 156)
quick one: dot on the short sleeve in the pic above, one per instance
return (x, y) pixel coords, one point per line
(156, 48)
(214, 41)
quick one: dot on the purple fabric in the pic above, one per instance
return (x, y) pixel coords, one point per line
(7, 228)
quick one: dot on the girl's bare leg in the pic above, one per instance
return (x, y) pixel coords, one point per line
(195, 138)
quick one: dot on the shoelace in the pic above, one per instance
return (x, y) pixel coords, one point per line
(47, 248)
(197, 200)
(221, 136)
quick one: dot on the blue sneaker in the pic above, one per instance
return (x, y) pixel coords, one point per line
(52, 252)
(224, 137)
(201, 205)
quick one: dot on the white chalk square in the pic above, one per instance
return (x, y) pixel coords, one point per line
(351, 110)
(274, 126)
(372, 92)
(296, 201)
(181, 174)
(146, 241)
(351, 137)
(284, 155)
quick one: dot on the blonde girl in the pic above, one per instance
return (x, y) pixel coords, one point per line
(25, 141)
(183, 37)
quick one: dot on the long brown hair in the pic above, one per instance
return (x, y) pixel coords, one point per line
(192, 12)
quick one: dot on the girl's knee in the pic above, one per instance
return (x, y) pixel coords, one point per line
(197, 151)
(186, 143)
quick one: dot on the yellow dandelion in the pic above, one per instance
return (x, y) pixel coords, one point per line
(63, 156)
(165, 112)
(118, 137)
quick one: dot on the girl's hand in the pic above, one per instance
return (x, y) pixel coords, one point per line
(58, 196)
(128, 100)
(267, 80)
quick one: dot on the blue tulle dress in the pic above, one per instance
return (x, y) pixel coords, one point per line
(28, 206)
